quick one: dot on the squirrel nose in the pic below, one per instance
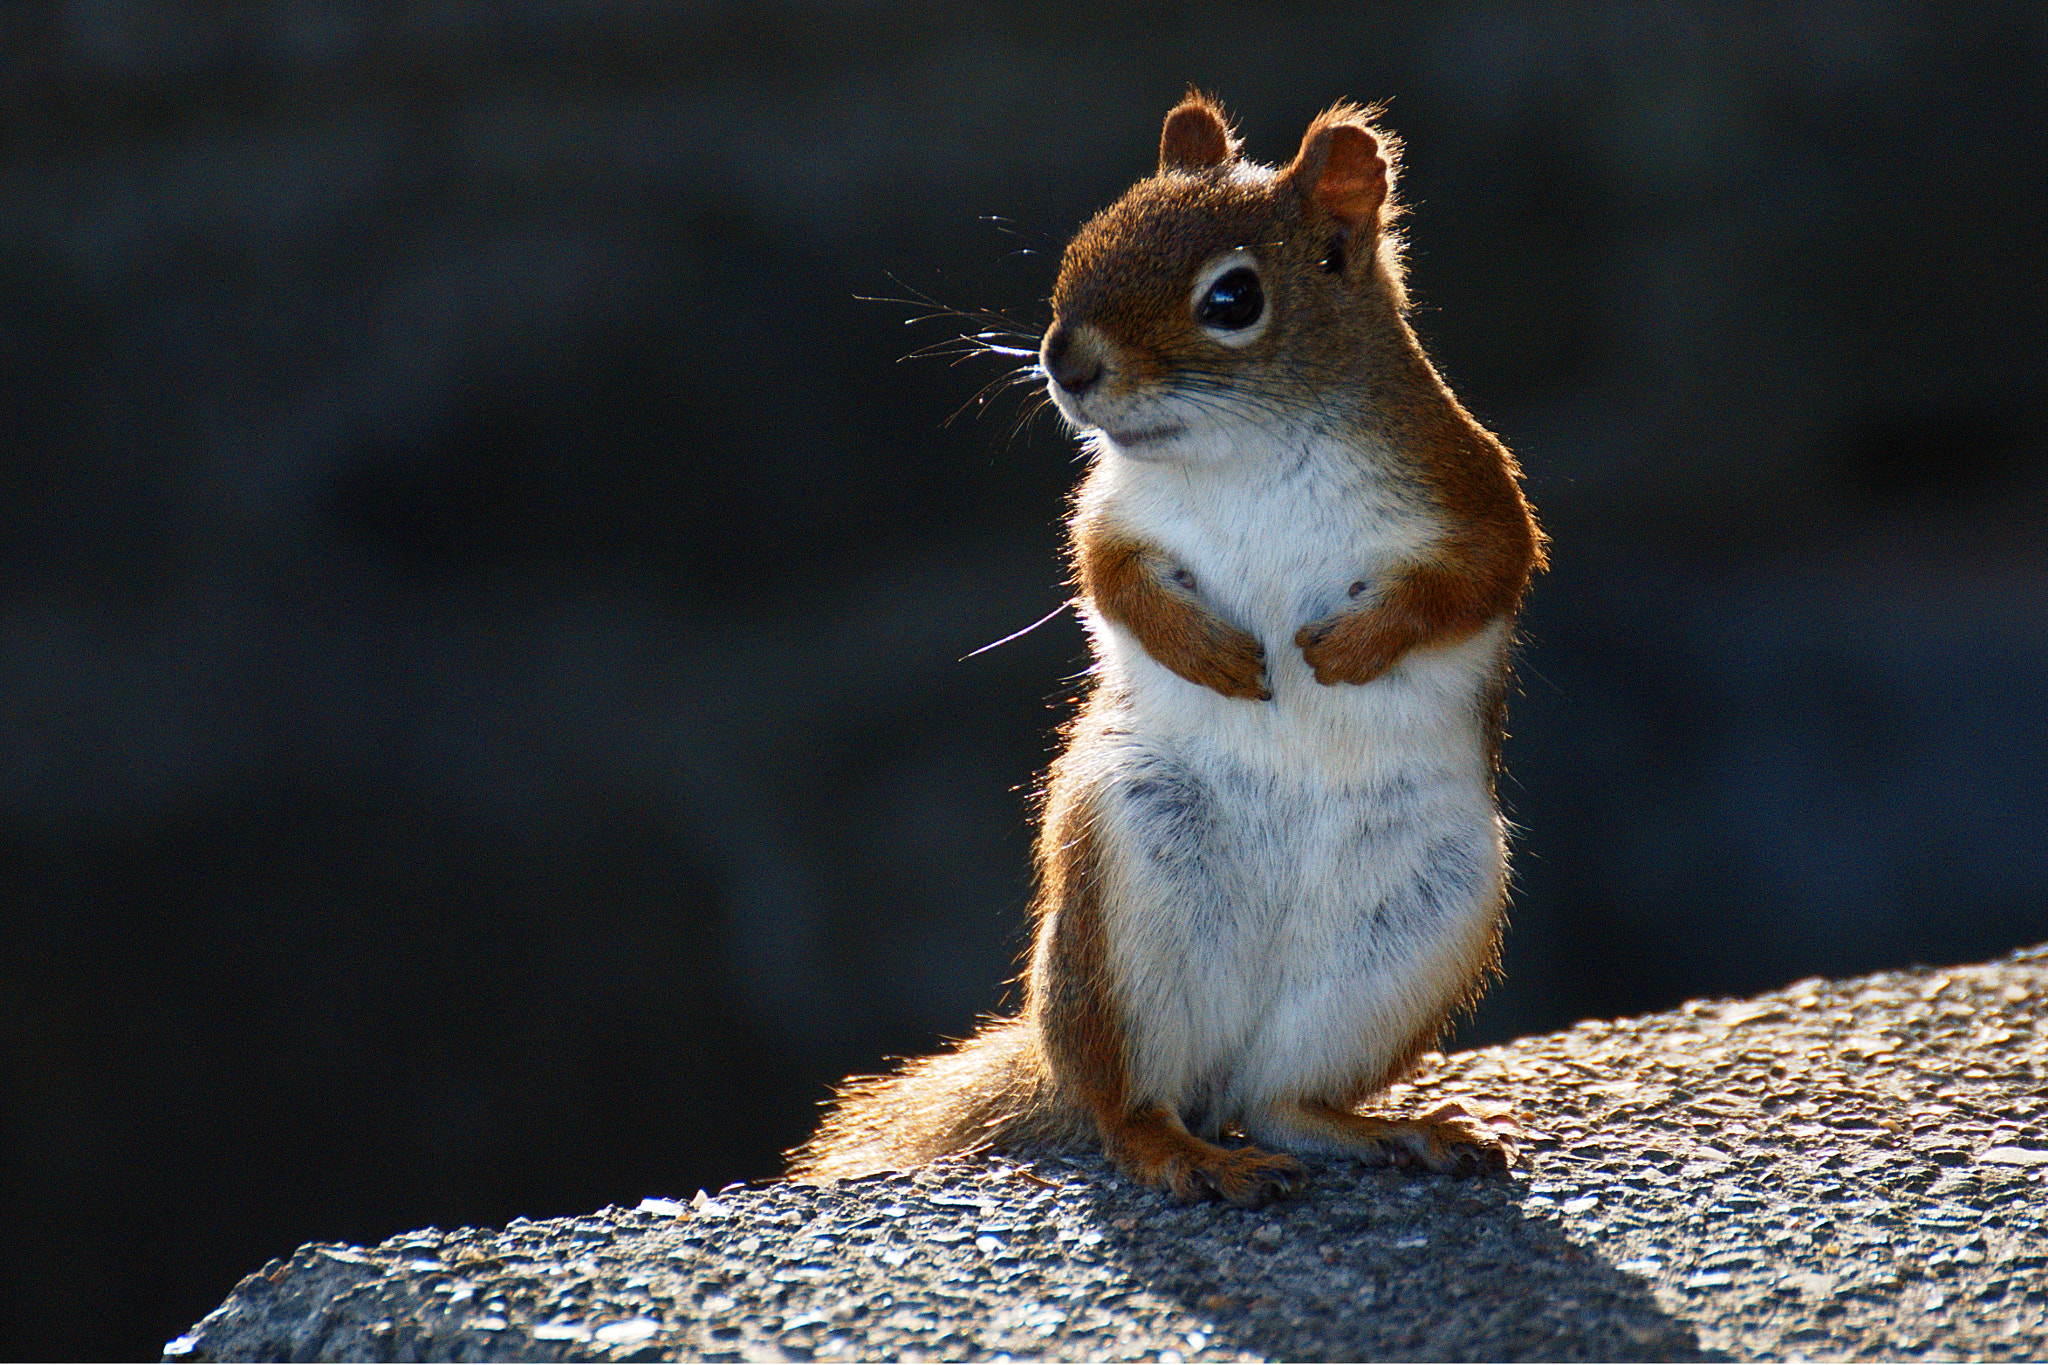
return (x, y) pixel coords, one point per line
(1073, 366)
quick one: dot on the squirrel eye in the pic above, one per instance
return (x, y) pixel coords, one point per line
(1234, 302)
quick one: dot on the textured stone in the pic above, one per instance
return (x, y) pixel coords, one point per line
(1836, 1169)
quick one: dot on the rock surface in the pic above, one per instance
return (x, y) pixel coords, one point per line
(1836, 1169)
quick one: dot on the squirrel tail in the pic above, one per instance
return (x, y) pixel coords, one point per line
(993, 1090)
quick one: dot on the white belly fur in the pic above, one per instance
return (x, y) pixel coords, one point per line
(1297, 885)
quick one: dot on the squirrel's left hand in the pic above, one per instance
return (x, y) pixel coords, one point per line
(1352, 647)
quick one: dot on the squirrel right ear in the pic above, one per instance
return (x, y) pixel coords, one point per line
(1344, 166)
(1196, 136)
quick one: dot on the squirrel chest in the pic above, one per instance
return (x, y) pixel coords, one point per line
(1297, 884)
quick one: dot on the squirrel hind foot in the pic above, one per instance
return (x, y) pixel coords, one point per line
(1153, 1147)
(1435, 1142)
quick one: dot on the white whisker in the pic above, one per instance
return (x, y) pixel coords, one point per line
(1017, 634)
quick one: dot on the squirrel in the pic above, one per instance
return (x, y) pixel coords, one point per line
(1270, 865)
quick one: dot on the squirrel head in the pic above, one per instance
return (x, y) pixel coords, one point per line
(1220, 292)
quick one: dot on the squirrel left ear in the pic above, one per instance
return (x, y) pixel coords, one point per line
(1196, 136)
(1343, 168)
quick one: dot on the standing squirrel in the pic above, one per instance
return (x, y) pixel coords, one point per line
(1271, 867)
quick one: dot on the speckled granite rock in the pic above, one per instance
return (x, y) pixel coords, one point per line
(1836, 1169)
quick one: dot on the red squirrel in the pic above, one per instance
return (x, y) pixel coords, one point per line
(1270, 865)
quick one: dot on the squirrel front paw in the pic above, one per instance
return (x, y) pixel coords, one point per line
(1234, 666)
(1354, 647)
(1216, 654)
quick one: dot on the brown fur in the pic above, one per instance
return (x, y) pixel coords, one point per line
(1475, 580)
(1059, 1072)
(1340, 170)
(999, 1088)
(1196, 136)
(1132, 584)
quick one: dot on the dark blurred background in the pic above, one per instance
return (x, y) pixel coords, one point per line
(483, 726)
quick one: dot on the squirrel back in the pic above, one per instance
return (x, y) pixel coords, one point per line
(1270, 865)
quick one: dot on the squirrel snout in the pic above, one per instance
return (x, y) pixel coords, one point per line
(1072, 361)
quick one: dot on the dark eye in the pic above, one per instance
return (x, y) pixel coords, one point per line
(1234, 302)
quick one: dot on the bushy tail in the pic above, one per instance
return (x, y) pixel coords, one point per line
(994, 1090)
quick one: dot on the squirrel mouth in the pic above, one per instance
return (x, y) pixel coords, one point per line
(1144, 434)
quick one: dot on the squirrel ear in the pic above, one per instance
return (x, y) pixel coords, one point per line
(1196, 136)
(1344, 167)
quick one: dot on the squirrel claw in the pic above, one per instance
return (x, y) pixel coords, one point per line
(1241, 673)
(1437, 1142)
(1253, 1179)
(1190, 1169)
(1449, 1149)
(1341, 655)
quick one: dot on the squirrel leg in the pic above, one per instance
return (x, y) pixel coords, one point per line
(1139, 588)
(1084, 1032)
(1477, 575)
(1422, 606)
(1437, 1141)
(1151, 1144)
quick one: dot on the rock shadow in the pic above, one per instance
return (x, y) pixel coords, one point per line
(1368, 1264)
